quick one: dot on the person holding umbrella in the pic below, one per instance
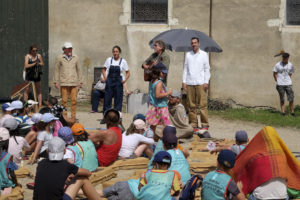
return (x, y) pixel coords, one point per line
(196, 75)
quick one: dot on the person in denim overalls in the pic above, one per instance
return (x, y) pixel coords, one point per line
(113, 68)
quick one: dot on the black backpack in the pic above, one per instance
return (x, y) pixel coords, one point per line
(188, 191)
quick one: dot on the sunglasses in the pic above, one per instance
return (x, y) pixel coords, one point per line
(34, 50)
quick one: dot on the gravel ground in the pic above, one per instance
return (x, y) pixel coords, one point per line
(219, 128)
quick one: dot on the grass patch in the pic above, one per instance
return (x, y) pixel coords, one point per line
(266, 117)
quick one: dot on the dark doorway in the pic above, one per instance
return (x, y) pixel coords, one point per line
(22, 23)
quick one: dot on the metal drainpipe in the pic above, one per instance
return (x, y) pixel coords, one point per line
(210, 35)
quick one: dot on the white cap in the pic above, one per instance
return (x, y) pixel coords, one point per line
(15, 105)
(31, 103)
(67, 45)
(56, 148)
(4, 134)
(48, 117)
(36, 117)
(139, 124)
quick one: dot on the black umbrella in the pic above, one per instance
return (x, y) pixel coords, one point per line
(180, 40)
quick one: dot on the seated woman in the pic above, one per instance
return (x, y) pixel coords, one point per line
(134, 143)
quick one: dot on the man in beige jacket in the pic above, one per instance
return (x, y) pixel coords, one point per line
(68, 76)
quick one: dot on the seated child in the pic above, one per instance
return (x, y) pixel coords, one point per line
(158, 183)
(53, 173)
(73, 152)
(218, 184)
(43, 137)
(8, 179)
(87, 147)
(134, 143)
(35, 128)
(59, 111)
(241, 140)
(6, 113)
(179, 162)
(16, 143)
(160, 146)
(148, 132)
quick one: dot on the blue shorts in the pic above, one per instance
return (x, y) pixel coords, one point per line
(66, 197)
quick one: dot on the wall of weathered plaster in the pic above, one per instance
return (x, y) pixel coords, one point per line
(250, 33)
(93, 28)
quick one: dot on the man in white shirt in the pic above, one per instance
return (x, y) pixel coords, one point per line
(196, 75)
(282, 73)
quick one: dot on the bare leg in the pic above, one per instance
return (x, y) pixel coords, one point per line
(140, 149)
(38, 92)
(282, 107)
(292, 107)
(86, 186)
(155, 137)
(26, 92)
(31, 139)
(149, 152)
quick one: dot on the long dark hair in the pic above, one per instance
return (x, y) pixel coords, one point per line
(13, 133)
(155, 74)
(31, 47)
(130, 129)
(43, 125)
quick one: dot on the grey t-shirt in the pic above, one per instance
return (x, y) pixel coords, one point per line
(45, 137)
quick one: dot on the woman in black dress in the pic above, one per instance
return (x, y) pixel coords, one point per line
(33, 65)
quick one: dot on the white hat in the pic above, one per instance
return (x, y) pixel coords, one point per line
(67, 45)
(48, 117)
(36, 117)
(4, 134)
(15, 105)
(31, 103)
(56, 148)
(139, 124)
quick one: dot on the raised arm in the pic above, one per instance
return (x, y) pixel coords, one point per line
(159, 88)
(26, 65)
(41, 63)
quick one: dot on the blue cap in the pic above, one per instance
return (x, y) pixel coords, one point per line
(227, 158)
(170, 139)
(66, 134)
(48, 117)
(169, 129)
(241, 136)
(163, 157)
(139, 116)
(161, 67)
(5, 106)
